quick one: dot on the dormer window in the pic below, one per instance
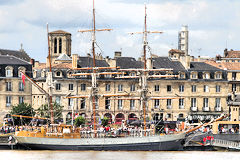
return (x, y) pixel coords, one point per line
(9, 71)
(194, 75)
(58, 74)
(21, 69)
(182, 75)
(35, 74)
(218, 75)
(206, 76)
(43, 73)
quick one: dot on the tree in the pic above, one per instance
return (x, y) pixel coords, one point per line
(105, 121)
(45, 112)
(79, 121)
(22, 109)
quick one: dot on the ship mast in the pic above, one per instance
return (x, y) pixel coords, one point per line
(49, 80)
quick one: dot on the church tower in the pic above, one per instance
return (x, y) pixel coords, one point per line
(59, 43)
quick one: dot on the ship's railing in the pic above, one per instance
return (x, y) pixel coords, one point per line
(118, 133)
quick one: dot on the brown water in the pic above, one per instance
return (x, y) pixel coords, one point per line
(93, 155)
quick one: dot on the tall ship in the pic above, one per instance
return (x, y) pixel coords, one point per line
(66, 137)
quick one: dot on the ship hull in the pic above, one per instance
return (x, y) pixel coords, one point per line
(173, 143)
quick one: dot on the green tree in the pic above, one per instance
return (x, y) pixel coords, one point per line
(105, 121)
(22, 109)
(45, 111)
(79, 121)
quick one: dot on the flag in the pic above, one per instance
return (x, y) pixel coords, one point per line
(23, 78)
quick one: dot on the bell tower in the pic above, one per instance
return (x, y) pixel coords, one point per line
(59, 43)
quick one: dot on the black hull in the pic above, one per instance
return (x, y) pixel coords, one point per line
(157, 146)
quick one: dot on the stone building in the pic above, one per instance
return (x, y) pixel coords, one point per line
(198, 91)
(12, 90)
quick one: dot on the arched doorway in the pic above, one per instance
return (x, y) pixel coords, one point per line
(119, 118)
(109, 116)
(132, 117)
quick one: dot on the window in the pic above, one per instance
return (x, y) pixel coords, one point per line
(21, 69)
(9, 71)
(58, 100)
(218, 88)
(169, 103)
(169, 88)
(194, 88)
(55, 45)
(234, 87)
(83, 87)
(60, 45)
(83, 103)
(58, 86)
(96, 102)
(217, 102)
(132, 88)
(156, 103)
(234, 75)
(218, 76)
(70, 102)
(193, 102)
(181, 103)
(205, 88)
(21, 86)
(8, 86)
(205, 102)
(120, 88)
(107, 103)
(70, 87)
(194, 75)
(132, 104)
(182, 75)
(107, 87)
(8, 101)
(181, 88)
(120, 102)
(206, 76)
(21, 99)
(58, 74)
(156, 88)
(169, 115)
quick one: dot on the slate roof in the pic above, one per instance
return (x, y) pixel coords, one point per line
(202, 66)
(88, 62)
(165, 62)
(128, 63)
(11, 60)
(22, 55)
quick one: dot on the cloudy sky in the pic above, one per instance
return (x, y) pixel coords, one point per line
(213, 25)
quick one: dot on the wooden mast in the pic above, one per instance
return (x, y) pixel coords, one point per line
(50, 80)
(94, 85)
(144, 80)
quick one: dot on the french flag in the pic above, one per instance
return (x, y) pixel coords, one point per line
(23, 78)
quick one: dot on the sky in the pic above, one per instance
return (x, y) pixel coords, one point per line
(213, 25)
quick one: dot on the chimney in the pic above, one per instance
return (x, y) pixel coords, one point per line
(117, 54)
(36, 64)
(32, 61)
(74, 60)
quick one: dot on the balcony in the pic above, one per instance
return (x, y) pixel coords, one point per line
(206, 109)
(8, 104)
(169, 107)
(194, 109)
(218, 109)
(181, 107)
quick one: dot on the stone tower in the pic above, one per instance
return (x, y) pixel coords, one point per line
(60, 43)
(183, 40)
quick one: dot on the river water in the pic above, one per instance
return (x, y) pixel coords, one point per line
(107, 155)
